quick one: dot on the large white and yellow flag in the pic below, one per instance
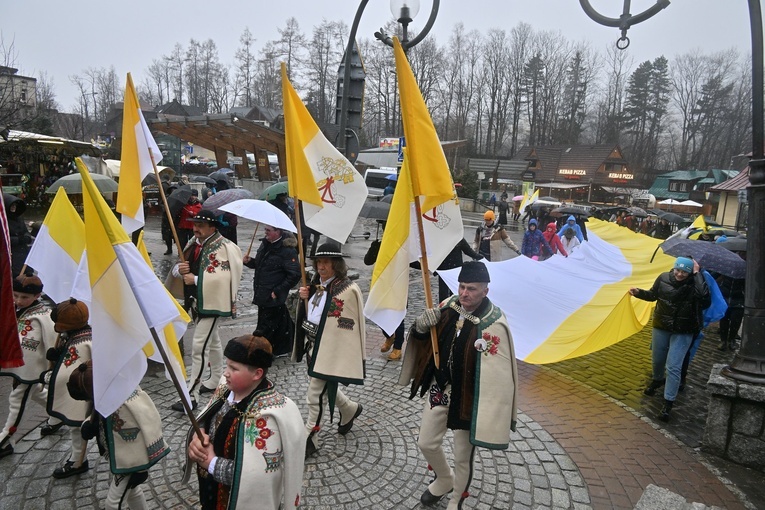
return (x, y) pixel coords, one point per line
(126, 299)
(579, 304)
(138, 148)
(169, 335)
(331, 190)
(528, 200)
(425, 177)
(58, 247)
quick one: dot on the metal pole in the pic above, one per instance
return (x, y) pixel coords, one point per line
(749, 362)
(347, 77)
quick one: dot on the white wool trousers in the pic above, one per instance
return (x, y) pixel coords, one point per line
(431, 443)
(17, 402)
(205, 348)
(317, 402)
(120, 497)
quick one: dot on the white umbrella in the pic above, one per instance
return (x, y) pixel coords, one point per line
(690, 203)
(670, 201)
(260, 211)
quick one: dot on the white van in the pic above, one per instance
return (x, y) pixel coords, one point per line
(377, 180)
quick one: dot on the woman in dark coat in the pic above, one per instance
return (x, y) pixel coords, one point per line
(681, 296)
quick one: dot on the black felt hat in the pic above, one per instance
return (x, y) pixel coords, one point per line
(208, 216)
(328, 250)
(474, 272)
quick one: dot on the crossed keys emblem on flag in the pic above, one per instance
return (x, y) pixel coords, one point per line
(437, 217)
(336, 169)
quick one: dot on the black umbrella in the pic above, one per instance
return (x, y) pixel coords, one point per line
(178, 198)
(567, 209)
(671, 217)
(637, 212)
(202, 178)
(222, 174)
(227, 196)
(710, 256)
(375, 210)
(734, 244)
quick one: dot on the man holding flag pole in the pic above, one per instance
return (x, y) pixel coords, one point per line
(470, 354)
(330, 330)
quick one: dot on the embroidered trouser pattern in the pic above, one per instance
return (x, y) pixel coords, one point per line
(432, 432)
(17, 403)
(205, 346)
(317, 389)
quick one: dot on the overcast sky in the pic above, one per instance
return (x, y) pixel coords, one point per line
(63, 38)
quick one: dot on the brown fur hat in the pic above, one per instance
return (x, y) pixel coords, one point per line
(69, 315)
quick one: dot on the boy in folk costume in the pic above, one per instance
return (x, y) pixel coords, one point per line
(130, 438)
(36, 336)
(72, 348)
(210, 277)
(253, 455)
(332, 335)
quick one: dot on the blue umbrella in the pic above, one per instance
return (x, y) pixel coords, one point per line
(392, 177)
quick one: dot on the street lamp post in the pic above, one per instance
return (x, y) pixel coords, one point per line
(749, 362)
(404, 11)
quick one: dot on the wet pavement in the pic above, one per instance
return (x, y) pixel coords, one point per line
(587, 437)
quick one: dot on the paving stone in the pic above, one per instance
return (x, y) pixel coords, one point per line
(379, 465)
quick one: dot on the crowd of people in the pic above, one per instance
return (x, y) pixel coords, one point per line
(254, 440)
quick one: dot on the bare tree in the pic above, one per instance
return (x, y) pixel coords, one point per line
(291, 44)
(157, 87)
(609, 107)
(267, 85)
(245, 68)
(325, 51)
(176, 62)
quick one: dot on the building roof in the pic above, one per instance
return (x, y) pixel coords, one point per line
(739, 182)
(44, 144)
(584, 157)
(387, 157)
(507, 169)
(176, 108)
(660, 188)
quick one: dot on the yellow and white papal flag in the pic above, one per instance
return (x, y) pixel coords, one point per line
(138, 148)
(126, 299)
(425, 177)
(331, 190)
(58, 247)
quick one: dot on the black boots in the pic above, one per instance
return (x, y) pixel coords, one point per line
(651, 389)
(664, 413)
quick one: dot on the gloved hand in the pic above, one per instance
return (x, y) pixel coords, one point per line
(428, 318)
(88, 430)
(53, 354)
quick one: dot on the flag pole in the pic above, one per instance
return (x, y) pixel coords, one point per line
(300, 247)
(176, 383)
(166, 208)
(257, 226)
(426, 279)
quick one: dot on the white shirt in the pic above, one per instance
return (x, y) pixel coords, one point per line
(316, 303)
